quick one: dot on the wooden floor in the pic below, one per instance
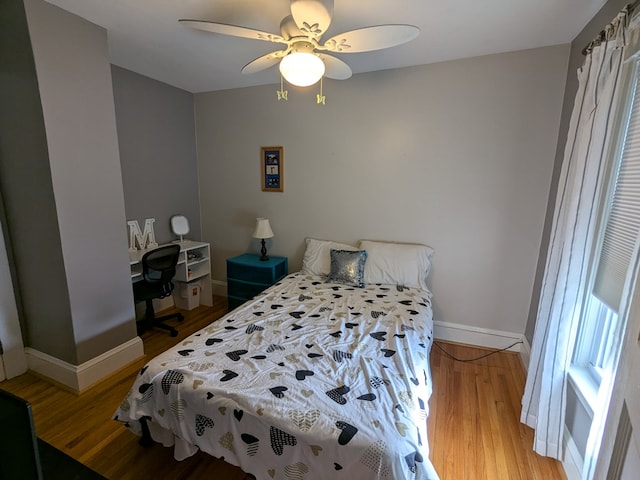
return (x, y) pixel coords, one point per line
(474, 424)
(474, 428)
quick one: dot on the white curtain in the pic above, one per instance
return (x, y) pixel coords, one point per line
(574, 222)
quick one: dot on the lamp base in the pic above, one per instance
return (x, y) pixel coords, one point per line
(263, 251)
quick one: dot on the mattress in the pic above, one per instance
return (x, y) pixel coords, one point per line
(307, 380)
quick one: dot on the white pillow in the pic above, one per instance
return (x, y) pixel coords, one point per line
(397, 263)
(317, 256)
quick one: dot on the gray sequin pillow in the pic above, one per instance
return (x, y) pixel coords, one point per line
(347, 267)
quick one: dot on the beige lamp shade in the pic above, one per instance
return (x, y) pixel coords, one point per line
(263, 229)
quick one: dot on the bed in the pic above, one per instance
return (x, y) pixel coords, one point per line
(323, 375)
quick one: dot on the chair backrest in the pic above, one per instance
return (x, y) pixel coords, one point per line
(159, 267)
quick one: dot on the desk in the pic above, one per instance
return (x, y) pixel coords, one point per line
(193, 264)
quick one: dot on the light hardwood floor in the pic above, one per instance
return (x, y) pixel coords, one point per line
(474, 431)
(474, 424)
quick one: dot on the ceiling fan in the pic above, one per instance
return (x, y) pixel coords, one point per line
(302, 59)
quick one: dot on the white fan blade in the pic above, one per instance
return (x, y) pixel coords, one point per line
(313, 17)
(371, 38)
(233, 30)
(334, 67)
(264, 62)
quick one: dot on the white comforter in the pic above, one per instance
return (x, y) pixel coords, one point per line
(308, 380)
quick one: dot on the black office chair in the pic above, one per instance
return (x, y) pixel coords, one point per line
(158, 268)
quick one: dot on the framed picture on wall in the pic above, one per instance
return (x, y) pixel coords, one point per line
(272, 164)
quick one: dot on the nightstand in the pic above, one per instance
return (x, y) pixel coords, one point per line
(247, 276)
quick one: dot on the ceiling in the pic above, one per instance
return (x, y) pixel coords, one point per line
(145, 36)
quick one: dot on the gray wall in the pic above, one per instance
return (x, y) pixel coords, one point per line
(62, 179)
(32, 231)
(74, 77)
(457, 155)
(64, 198)
(13, 361)
(156, 135)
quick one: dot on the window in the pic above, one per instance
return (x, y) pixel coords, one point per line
(596, 338)
(617, 233)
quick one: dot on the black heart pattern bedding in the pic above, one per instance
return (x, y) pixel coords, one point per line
(308, 380)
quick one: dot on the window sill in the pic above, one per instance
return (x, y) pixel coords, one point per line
(585, 386)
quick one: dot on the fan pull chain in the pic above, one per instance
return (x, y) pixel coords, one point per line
(320, 98)
(282, 93)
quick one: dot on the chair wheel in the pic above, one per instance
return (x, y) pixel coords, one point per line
(173, 333)
(180, 317)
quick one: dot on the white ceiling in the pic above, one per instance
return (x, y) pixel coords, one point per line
(144, 35)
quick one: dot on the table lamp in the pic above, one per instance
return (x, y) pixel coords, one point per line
(262, 231)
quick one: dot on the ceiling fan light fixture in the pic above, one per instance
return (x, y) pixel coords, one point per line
(302, 68)
(306, 57)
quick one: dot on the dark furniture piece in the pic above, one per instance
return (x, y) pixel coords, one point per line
(247, 276)
(24, 456)
(158, 268)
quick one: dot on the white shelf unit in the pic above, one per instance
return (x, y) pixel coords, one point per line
(194, 265)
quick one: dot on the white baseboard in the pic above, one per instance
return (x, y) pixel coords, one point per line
(80, 377)
(525, 353)
(572, 461)
(481, 337)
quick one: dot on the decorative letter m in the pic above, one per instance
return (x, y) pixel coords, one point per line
(146, 239)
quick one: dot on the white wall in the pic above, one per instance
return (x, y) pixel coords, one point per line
(457, 155)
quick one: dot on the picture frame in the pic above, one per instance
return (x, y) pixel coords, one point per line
(272, 168)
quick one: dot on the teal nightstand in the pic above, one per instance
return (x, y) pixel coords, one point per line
(247, 276)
